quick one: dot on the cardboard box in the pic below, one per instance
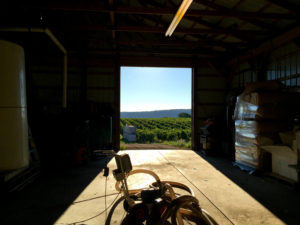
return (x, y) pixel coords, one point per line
(282, 157)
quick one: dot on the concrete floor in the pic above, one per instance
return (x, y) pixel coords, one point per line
(230, 195)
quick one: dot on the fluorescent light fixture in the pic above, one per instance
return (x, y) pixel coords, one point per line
(180, 13)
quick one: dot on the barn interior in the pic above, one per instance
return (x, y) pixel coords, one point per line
(66, 56)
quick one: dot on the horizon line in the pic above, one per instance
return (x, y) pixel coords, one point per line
(159, 110)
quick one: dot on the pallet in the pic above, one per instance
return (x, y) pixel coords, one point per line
(248, 169)
(17, 179)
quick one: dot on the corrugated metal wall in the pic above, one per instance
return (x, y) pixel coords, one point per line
(100, 84)
(90, 80)
(44, 81)
(282, 64)
(209, 98)
(46, 78)
(285, 65)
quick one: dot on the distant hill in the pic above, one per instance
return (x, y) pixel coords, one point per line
(155, 114)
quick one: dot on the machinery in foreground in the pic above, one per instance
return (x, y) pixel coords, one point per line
(157, 204)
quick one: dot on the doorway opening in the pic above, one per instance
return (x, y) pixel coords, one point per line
(156, 108)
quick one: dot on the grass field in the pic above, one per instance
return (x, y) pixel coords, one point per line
(171, 131)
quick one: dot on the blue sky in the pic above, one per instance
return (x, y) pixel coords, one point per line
(153, 88)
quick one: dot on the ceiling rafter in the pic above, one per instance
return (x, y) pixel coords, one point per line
(252, 20)
(112, 20)
(234, 8)
(295, 8)
(181, 41)
(240, 36)
(267, 46)
(219, 10)
(158, 19)
(244, 22)
(201, 41)
(207, 24)
(140, 50)
(172, 43)
(160, 41)
(151, 29)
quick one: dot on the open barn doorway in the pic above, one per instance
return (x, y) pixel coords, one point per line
(156, 108)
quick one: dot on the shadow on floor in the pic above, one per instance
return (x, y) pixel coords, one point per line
(279, 198)
(45, 200)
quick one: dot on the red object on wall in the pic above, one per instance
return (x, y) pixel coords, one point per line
(80, 156)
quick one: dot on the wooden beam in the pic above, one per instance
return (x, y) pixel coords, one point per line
(286, 5)
(163, 46)
(212, 89)
(177, 43)
(155, 61)
(195, 122)
(214, 26)
(96, 7)
(196, 21)
(267, 46)
(112, 20)
(117, 108)
(245, 22)
(252, 20)
(143, 29)
(209, 53)
(289, 77)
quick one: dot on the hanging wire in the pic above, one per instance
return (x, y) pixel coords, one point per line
(105, 197)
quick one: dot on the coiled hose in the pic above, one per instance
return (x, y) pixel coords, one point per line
(181, 207)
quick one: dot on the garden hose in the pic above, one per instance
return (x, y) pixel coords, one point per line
(188, 206)
(180, 207)
(156, 184)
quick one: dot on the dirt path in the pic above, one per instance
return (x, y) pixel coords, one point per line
(150, 146)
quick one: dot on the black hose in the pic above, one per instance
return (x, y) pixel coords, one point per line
(107, 222)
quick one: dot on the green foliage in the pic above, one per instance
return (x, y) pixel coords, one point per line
(184, 115)
(160, 130)
(179, 143)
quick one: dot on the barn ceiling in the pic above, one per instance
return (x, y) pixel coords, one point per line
(212, 29)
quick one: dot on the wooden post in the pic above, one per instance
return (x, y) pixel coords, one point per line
(195, 128)
(83, 86)
(116, 119)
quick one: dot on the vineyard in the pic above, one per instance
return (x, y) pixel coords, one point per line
(160, 130)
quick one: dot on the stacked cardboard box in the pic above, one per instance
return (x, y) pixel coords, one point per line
(259, 117)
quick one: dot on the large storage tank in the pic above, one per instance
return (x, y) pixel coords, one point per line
(14, 152)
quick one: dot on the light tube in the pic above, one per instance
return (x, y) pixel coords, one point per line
(181, 14)
(178, 16)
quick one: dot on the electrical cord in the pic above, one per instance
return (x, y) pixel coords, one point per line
(105, 198)
(106, 173)
(74, 223)
(89, 199)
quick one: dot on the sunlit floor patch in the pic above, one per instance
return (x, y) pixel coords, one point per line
(221, 197)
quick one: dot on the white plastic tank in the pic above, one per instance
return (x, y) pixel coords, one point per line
(129, 133)
(14, 153)
(129, 129)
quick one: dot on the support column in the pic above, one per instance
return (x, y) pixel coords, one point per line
(195, 128)
(116, 116)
